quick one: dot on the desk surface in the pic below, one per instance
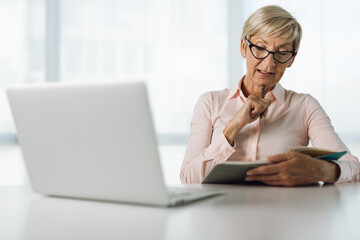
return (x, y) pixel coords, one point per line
(243, 212)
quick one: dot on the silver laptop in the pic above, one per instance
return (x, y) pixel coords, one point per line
(92, 141)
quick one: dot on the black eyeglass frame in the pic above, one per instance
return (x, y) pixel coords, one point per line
(293, 52)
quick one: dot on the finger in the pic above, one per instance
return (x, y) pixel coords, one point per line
(283, 183)
(259, 100)
(264, 107)
(256, 109)
(279, 157)
(256, 106)
(263, 178)
(254, 115)
(272, 181)
(264, 170)
(264, 102)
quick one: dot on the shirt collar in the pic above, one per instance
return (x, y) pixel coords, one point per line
(234, 90)
(278, 92)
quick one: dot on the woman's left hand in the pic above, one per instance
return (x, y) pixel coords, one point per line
(293, 169)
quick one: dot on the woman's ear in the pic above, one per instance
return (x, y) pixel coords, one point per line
(243, 48)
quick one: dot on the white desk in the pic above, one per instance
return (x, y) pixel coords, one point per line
(243, 212)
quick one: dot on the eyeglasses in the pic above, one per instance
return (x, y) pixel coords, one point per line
(261, 53)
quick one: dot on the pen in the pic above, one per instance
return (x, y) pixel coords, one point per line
(262, 96)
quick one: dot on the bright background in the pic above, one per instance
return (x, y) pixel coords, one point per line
(181, 48)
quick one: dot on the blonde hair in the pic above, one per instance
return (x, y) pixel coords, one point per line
(273, 21)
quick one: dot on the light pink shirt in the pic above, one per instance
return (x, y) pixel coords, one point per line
(292, 120)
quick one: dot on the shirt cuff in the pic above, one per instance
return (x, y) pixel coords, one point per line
(345, 171)
(222, 149)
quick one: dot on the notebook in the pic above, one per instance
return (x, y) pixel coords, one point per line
(93, 141)
(229, 172)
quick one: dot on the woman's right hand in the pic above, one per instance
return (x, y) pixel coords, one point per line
(249, 112)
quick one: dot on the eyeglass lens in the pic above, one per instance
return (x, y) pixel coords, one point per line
(260, 52)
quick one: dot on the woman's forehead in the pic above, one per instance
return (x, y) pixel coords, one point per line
(271, 40)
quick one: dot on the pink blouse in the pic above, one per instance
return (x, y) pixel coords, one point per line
(292, 120)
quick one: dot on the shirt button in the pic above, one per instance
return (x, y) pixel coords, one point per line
(228, 150)
(222, 156)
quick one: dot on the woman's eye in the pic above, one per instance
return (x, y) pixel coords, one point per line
(260, 48)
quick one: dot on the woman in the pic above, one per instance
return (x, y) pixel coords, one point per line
(237, 124)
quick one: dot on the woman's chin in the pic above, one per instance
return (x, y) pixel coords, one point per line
(266, 82)
(259, 81)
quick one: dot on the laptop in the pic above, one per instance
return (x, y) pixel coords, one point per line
(93, 141)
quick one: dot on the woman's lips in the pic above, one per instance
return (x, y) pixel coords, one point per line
(264, 73)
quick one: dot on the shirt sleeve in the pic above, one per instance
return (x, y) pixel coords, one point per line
(203, 151)
(322, 135)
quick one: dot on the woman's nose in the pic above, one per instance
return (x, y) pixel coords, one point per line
(269, 60)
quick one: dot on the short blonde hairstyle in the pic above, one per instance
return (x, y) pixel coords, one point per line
(273, 21)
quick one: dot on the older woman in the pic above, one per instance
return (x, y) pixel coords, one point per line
(237, 124)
